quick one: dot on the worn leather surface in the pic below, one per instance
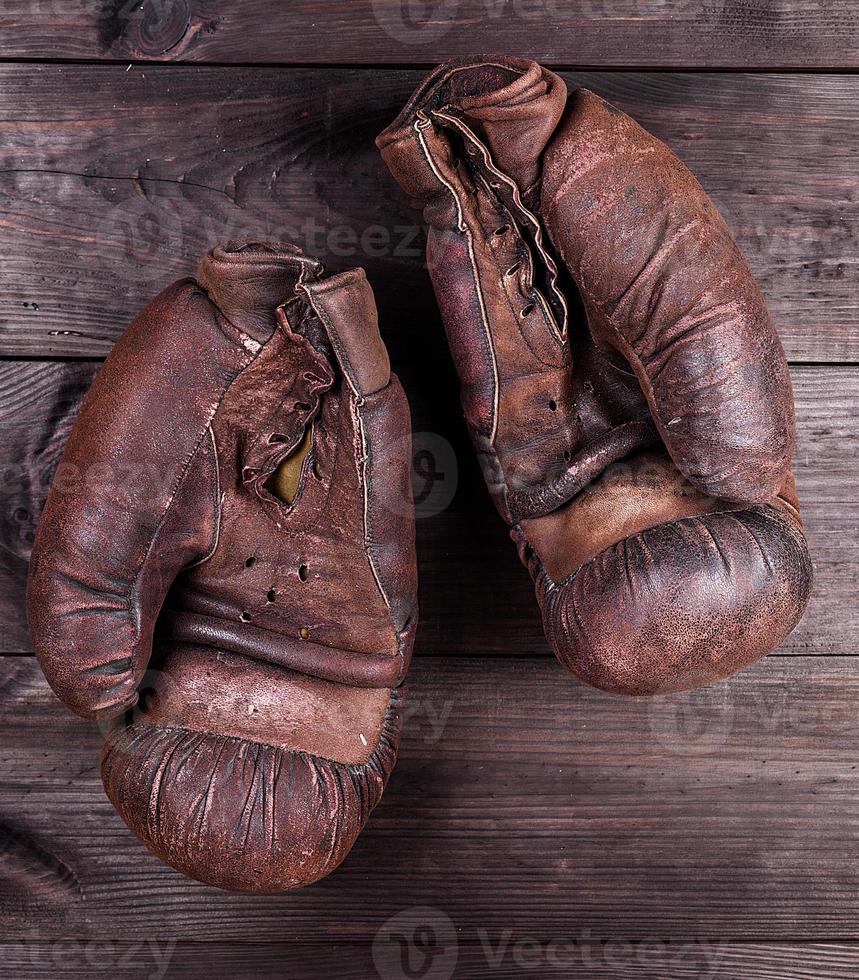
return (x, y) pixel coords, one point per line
(249, 644)
(623, 382)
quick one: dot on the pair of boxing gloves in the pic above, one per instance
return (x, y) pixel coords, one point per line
(233, 535)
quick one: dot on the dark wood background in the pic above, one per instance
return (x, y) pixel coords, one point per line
(543, 828)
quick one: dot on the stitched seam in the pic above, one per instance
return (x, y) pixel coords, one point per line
(218, 500)
(558, 330)
(463, 227)
(133, 594)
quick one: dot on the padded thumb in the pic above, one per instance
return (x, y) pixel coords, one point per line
(133, 501)
(665, 284)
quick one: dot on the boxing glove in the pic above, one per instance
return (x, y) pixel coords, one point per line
(233, 513)
(621, 378)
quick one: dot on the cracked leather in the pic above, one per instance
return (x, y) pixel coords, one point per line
(623, 383)
(249, 649)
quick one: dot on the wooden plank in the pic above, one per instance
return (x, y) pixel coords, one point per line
(153, 959)
(727, 33)
(38, 404)
(475, 596)
(524, 806)
(114, 182)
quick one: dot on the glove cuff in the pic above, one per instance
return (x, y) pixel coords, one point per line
(247, 282)
(514, 104)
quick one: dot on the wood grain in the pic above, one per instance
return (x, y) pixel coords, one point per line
(145, 959)
(524, 806)
(475, 596)
(38, 404)
(724, 33)
(114, 182)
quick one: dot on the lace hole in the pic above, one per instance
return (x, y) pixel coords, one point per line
(246, 617)
(526, 310)
(501, 230)
(303, 572)
(553, 405)
(249, 562)
(271, 595)
(513, 269)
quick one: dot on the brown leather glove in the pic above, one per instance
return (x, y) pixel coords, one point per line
(622, 380)
(235, 497)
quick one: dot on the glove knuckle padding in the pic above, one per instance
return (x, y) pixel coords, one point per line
(623, 383)
(271, 717)
(235, 807)
(695, 599)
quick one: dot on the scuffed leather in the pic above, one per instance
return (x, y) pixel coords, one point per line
(622, 380)
(270, 639)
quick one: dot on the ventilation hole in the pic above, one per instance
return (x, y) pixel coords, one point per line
(246, 617)
(501, 230)
(271, 595)
(304, 632)
(526, 310)
(302, 572)
(249, 562)
(553, 405)
(277, 437)
(513, 269)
